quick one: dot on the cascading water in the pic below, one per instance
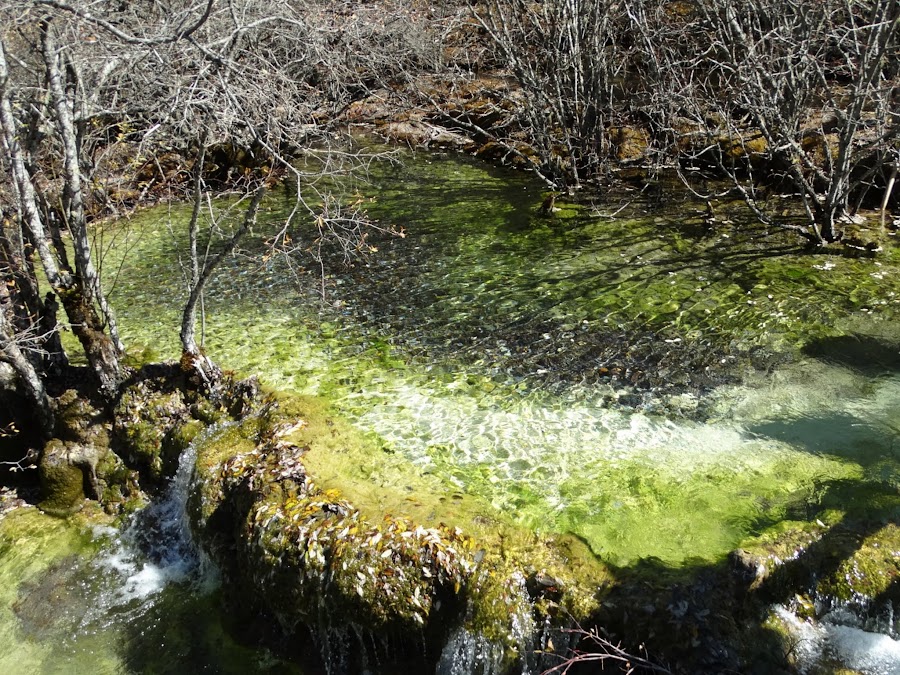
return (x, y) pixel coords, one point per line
(470, 653)
(78, 597)
(156, 548)
(840, 638)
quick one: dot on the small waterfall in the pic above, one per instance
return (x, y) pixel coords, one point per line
(470, 653)
(840, 637)
(156, 548)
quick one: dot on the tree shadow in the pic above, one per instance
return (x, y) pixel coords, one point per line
(865, 441)
(864, 354)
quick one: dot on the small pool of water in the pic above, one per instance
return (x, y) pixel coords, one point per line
(81, 596)
(565, 368)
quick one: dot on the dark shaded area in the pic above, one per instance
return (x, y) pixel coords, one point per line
(865, 354)
(838, 434)
(186, 632)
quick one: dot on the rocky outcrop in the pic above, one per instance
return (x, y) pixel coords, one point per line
(308, 556)
(68, 464)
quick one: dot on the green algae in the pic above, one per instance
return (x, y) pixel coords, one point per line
(31, 544)
(870, 571)
(444, 345)
(356, 547)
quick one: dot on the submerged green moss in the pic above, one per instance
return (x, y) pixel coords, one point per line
(481, 346)
(31, 544)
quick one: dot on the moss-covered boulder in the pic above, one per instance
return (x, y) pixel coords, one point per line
(62, 479)
(68, 463)
(279, 504)
(145, 418)
(158, 415)
(871, 571)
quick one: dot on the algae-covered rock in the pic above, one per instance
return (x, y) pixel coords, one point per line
(871, 571)
(302, 550)
(62, 482)
(119, 486)
(160, 413)
(77, 419)
(68, 463)
(307, 554)
(144, 418)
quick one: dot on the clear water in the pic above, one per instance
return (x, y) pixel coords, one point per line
(475, 347)
(481, 347)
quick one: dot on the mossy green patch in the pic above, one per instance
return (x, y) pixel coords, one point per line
(62, 483)
(31, 543)
(870, 570)
(320, 522)
(486, 346)
(377, 480)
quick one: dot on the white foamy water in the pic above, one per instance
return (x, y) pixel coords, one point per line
(827, 644)
(156, 549)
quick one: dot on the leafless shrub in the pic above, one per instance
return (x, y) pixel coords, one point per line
(599, 649)
(569, 59)
(795, 95)
(111, 87)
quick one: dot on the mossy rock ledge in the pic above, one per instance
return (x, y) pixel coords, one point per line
(318, 550)
(318, 528)
(71, 463)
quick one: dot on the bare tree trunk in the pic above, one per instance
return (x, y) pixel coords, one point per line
(103, 350)
(73, 291)
(192, 357)
(887, 195)
(31, 217)
(75, 220)
(11, 352)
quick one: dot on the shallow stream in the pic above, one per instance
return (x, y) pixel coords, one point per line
(498, 349)
(627, 371)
